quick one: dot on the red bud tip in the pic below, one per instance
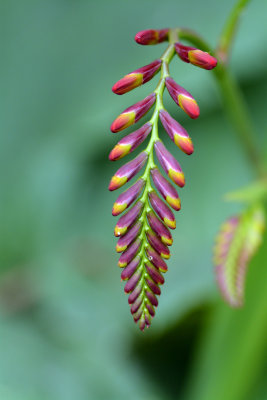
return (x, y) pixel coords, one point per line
(152, 36)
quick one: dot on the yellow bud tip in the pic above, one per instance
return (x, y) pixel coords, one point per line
(189, 105)
(119, 249)
(117, 230)
(116, 210)
(177, 177)
(116, 182)
(174, 203)
(171, 224)
(166, 240)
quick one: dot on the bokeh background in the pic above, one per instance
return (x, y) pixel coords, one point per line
(65, 328)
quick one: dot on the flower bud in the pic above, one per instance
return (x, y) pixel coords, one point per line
(136, 305)
(128, 218)
(130, 142)
(128, 171)
(166, 189)
(132, 114)
(152, 285)
(176, 132)
(129, 254)
(154, 273)
(160, 229)
(195, 56)
(128, 238)
(137, 77)
(157, 244)
(152, 36)
(132, 282)
(162, 210)
(135, 293)
(182, 98)
(124, 200)
(155, 258)
(152, 298)
(169, 164)
(130, 269)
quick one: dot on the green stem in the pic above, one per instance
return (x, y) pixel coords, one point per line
(229, 30)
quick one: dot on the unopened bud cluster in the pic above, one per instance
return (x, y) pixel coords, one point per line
(144, 230)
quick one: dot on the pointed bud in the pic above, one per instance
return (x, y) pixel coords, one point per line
(154, 273)
(132, 114)
(195, 56)
(152, 36)
(130, 142)
(129, 254)
(157, 244)
(128, 218)
(135, 293)
(152, 298)
(155, 258)
(132, 282)
(137, 77)
(176, 132)
(166, 189)
(152, 285)
(182, 98)
(125, 199)
(128, 171)
(162, 210)
(128, 238)
(136, 305)
(130, 269)
(159, 228)
(169, 164)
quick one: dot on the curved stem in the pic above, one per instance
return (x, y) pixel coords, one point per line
(229, 31)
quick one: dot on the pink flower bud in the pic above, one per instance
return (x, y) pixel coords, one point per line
(159, 228)
(130, 142)
(128, 171)
(128, 238)
(130, 269)
(157, 244)
(152, 36)
(152, 298)
(166, 189)
(162, 210)
(176, 132)
(195, 56)
(129, 254)
(137, 77)
(132, 282)
(152, 285)
(154, 273)
(127, 197)
(182, 98)
(169, 164)
(128, 219)
(132, 114)
(155, 258)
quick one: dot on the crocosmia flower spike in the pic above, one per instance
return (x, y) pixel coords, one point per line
(143, 231)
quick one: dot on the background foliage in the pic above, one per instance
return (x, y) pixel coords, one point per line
(65, 327)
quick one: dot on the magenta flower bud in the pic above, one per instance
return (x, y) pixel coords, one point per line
(130, 142)
(128, 171)
(132, 114)
(152, 298)
(138, 315)
(153, 286)
(155, 258)
(128, 219)
(195, 56)
(137, 77)
(129, 254)
(182, 98)
(124, 200)
(132, 282)
(130, 269)
(128, 238)
(154, 273)
(159, 228)
(157, 244)
(166, 189)
(136, 305)
(162, 210)
(169, 164)
(152, 36)
(151, 311)
(176, 132)
(135, 293)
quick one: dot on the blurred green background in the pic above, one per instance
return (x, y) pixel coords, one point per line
(65, 328)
